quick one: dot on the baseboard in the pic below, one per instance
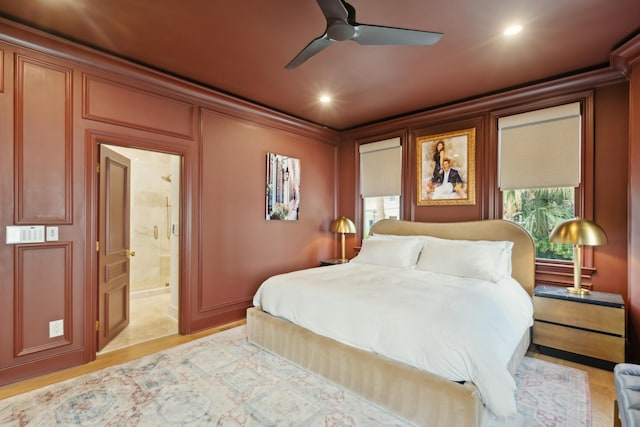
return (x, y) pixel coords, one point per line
(174, 313)
(150, 292)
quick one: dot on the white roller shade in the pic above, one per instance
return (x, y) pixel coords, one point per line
(540, 149)
(381, 168)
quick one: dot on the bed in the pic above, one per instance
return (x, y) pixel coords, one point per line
(400, 382)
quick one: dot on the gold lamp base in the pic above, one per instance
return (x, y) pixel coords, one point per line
(577, 291)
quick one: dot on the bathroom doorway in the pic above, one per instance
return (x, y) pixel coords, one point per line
(154, 245)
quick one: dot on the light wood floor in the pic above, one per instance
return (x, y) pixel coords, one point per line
(600, 381)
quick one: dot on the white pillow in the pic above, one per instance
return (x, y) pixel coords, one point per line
(394, 236)
(389, 252)
(481, 259)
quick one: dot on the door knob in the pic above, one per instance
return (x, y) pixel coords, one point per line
(129, 253)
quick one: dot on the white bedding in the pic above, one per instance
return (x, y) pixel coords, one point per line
(462, 329)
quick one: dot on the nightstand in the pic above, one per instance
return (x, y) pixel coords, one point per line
(333, 261)
(591, 325)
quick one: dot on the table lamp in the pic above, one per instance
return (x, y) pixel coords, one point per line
(578, 232)
(343, 225)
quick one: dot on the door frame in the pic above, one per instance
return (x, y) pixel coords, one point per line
(188, 235)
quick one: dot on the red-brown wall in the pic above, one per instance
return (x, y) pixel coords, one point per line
(609, 143)
(58, 103)
(243, 249)
(610, 187)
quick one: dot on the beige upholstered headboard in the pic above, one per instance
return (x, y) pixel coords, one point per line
(522, 256)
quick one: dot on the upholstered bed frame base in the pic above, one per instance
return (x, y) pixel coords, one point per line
(418, 396)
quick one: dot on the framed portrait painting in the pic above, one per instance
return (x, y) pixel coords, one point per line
(446, 168)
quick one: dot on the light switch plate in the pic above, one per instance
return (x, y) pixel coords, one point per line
(24, 234)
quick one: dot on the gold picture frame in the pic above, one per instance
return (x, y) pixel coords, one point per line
(450, 155)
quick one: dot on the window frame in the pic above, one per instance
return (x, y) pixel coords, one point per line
(557, 272)
(359, 214)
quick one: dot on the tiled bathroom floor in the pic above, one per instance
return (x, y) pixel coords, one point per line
(148, 320)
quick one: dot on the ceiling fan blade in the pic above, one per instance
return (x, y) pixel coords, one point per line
(379, 35)
(333, 10)
(311, 49)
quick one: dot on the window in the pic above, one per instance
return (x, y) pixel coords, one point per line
(539, 210)
(380, 181)
(539, 172)
(377, 208)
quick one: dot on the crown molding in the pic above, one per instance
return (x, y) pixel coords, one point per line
(625, 56)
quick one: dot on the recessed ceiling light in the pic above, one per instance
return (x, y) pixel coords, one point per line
(325, 99)
(512, 30)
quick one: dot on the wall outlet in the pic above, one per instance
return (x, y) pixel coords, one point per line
(52, 234)
(56, 328)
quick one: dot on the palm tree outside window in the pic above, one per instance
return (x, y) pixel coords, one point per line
(539, 210)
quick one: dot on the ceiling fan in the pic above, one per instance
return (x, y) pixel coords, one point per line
(342, 25)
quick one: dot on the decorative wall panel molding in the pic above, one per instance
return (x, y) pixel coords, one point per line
(122, 105)
(43, 142)
(1, 71)
(42, 294)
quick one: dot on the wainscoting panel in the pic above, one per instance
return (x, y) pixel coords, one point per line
(43, 138)
(42, 294)
(111, 102)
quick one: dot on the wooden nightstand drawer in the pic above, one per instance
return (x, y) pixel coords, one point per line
(588, 316)
(592, 344)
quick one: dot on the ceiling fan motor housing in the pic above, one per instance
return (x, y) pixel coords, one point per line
(340, 31)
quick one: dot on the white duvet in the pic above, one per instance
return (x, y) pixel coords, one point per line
(459, 328)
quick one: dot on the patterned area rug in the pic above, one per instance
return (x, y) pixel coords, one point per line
(550, 395)
(222, 380)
